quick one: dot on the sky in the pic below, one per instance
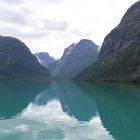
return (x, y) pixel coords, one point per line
(52, 25)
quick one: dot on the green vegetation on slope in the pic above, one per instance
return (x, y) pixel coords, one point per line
(119, 56)
(122, 66)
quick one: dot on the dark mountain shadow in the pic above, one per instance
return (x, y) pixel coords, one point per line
(74, 101)
(119, 108)
(16, 95)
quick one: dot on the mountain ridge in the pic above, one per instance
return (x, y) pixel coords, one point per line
(44, 58)
(17, 61)
(119, 55)
(77, 57)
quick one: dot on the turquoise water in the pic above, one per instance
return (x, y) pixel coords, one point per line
(69, 111)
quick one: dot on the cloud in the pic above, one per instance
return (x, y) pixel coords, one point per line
(50, 25)
(12, 17)
(21, 22)
(58, 23)
(12, 1)
(55, 25)
(54, 1)
(20, 33)
(36, 1)
(80, 33)
(33, 35)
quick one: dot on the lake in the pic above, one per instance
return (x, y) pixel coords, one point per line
(65, 110)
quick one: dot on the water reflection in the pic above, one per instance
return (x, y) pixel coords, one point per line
(56, 114)
(66, 111)
(16, 95)
(73, 100)
(118, 107)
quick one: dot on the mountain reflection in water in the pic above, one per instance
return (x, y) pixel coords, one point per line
(67, 110)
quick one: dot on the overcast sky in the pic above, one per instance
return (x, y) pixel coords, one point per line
(52, 25)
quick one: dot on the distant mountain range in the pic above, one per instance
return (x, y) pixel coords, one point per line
(17, 61)
(44, 58)
(119, 58)
(75, 59)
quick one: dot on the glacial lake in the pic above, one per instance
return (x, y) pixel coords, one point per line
(65, 110)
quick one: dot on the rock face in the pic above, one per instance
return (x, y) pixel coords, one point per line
(16, 60)
(75, 59)
(125, 34)
(119, 58)
(45, 59)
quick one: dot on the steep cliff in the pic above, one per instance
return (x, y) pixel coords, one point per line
(119, 56)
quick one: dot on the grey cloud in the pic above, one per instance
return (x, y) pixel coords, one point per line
(16, 32)
(80, 33)
(54, 25)
(23, 18)
(12, 1)
(53, 1)
(13, 17)
(33, 35)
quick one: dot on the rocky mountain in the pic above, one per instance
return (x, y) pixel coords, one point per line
(125, 34)
(44, 58)
(119, 58)
(17, 61)
(75, 59)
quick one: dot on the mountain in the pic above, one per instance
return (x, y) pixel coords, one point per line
(75, 59)
(44, 58)
(17, 61)
(119, 58)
